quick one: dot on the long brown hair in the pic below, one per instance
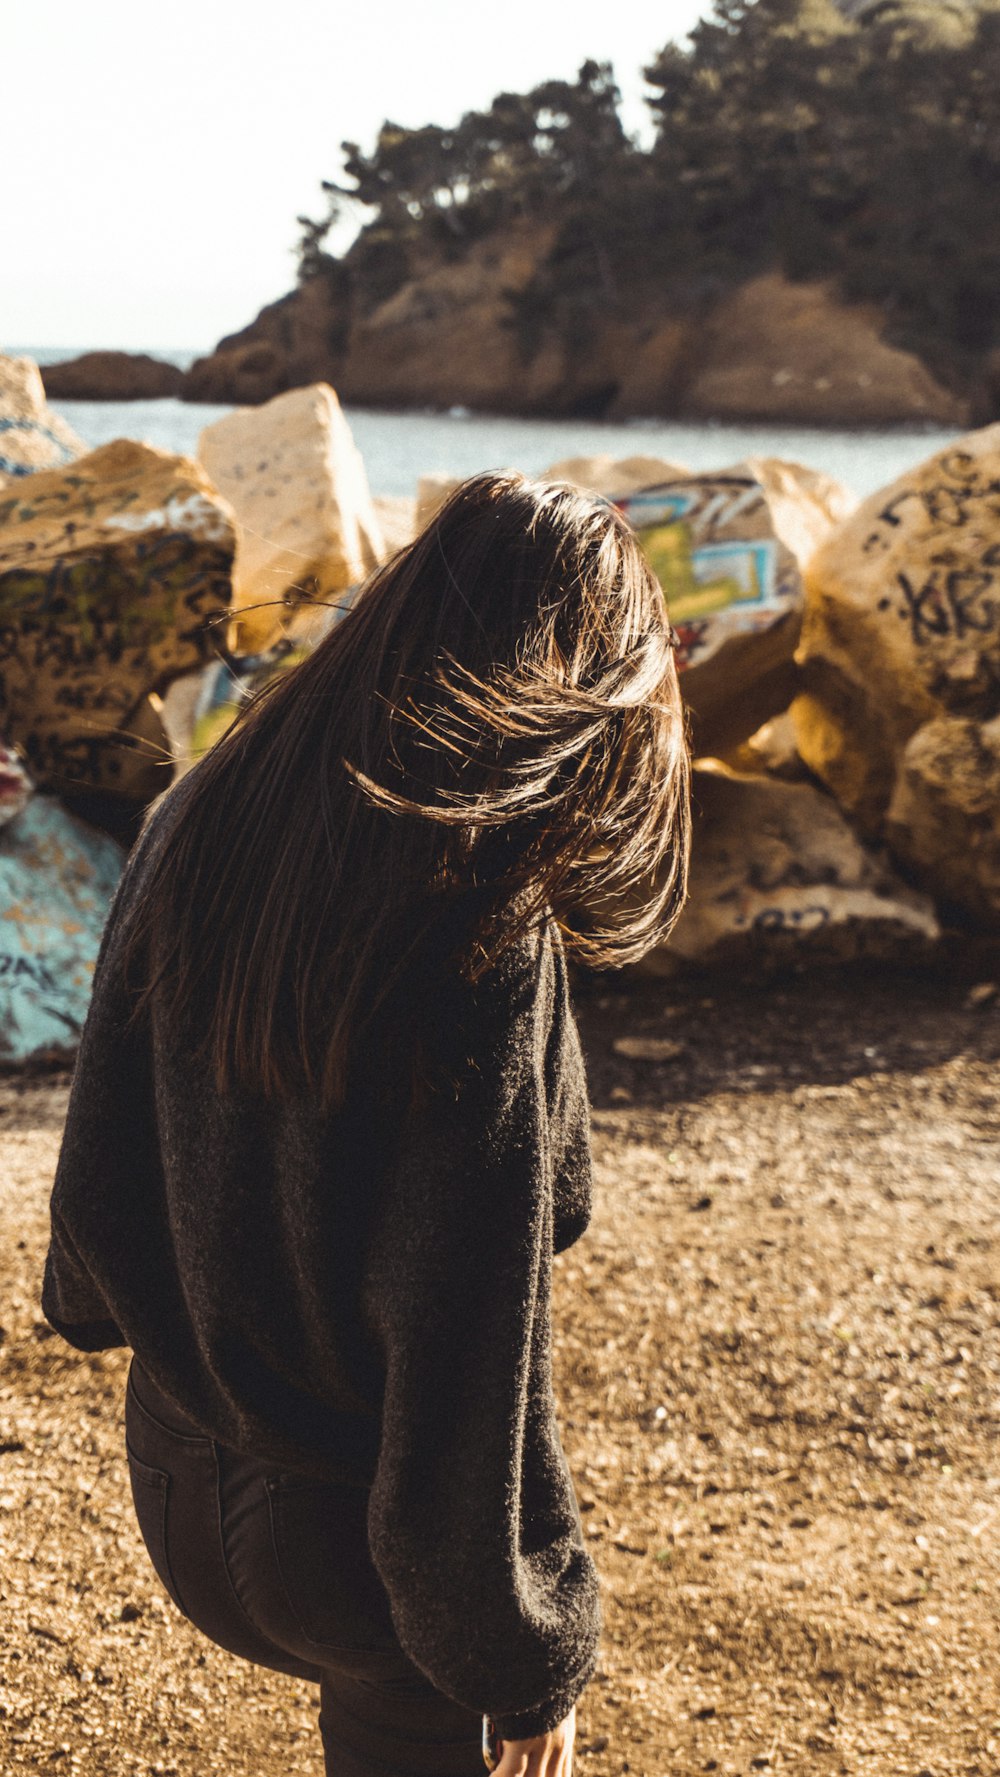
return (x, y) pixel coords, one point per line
(495, 726)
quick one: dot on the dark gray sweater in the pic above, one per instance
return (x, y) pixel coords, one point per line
(364, 1295)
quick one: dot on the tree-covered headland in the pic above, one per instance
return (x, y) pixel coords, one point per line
(857, 142)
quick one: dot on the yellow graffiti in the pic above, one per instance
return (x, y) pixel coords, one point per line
(668, 549)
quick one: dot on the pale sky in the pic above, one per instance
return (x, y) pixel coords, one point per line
(158, 155)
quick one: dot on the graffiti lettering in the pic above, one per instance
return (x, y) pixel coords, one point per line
(704, 507)
(115, 698)
(84, 759)
(945, 504)
(690, 637)
(780, 919)
(953, 604)
(27, 968)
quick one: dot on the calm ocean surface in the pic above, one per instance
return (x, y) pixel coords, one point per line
(400, 447)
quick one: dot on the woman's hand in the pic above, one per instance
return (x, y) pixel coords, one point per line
(548, 1755)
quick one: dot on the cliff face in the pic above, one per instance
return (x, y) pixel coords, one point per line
(297, 340)
(770, 350)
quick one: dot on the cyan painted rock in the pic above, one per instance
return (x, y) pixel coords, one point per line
(57, 877)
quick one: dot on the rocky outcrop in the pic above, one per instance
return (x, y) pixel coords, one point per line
(112, 376)
(900, 656)
(794, 352)
(111, 573)
(297, 340)
(57, 877)
(769, 350)
(31, 435)
(444, 338)
(306, 526)
(778, 877)
(729, 551)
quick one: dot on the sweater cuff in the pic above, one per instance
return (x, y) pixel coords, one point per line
(530, 1722)
(89, 1335)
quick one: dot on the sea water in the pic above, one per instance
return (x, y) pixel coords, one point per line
(400, 447)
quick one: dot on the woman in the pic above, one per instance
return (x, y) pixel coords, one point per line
(329, 1126)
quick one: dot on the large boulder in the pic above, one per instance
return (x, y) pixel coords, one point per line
(730, 550)
(112, 376)
(774, 350)
(607, 475)
(57, 877)
(114, 575)
(307, 527)
(778, 877)
(902, 635)
(397, 519)
(612, 476)
(433, 490)
(944, 816)
(31, 435)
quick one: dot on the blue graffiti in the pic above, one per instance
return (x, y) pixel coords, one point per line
(10, 466)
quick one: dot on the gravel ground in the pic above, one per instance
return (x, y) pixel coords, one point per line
(778, 1369)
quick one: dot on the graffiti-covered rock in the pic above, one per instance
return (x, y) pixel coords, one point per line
(307, 527)
(114, 578)
(57, 877)
(729, 550)
(31, 435)
(605, 474)
(902, 629)
(944, 816)
(200, 706)
(778, 876)
(771, 752)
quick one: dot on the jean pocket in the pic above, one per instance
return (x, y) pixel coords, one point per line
(320, 1539)
(150, 1489)
(158, 1455)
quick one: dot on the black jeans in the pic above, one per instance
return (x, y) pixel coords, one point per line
(274, 1567)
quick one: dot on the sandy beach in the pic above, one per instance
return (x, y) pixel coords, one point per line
(778, 1366)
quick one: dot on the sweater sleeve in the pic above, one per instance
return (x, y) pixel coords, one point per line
(473, 1522)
